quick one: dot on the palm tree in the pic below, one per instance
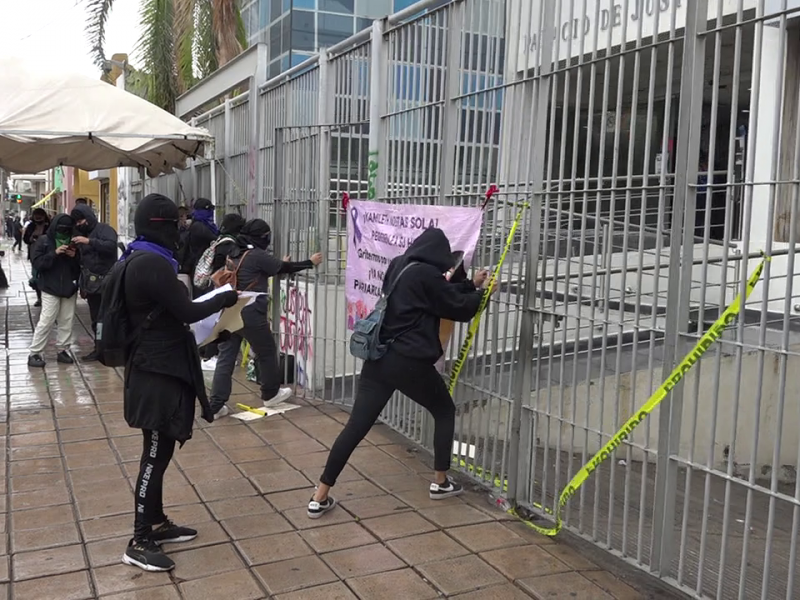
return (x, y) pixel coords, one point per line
(182, 41)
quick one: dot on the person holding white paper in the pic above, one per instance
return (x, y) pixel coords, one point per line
(253, 275)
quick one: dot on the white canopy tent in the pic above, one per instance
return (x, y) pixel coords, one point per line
(49, 118)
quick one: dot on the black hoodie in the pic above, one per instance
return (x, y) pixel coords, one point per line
(423, 296)
(100, 254)
(57, 274)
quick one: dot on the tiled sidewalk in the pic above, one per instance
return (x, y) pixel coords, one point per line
(70, 463)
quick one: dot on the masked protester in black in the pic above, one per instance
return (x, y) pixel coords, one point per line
(421, 298)
(35, 229)
(163, 377)
(256, 267)
(97, 244)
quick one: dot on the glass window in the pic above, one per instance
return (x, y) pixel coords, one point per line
(362, 24)
(299, 57)
(307, 4)
(374, 9)
(286, 35)
(275, 40)
(287, 5)
(274, 69)
(263, 14)
(276, 8)
(303, 31)
(339, 6)
(333, 29)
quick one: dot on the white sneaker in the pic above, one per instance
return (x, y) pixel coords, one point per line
(210, 364)
(282, 396)
(223, 412)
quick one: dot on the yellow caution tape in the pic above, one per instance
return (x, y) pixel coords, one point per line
(708, 339)
(473, 326)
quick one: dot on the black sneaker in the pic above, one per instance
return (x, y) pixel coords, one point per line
(91, 357)
(317, 509)
(37, 304)
(448, 489)
(36, 360)
(64, 358)
(169, 533)
(147, 555)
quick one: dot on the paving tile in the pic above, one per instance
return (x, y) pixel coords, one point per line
(298, 447)
(208, 534)
(73, 586)
(398, 585)
(290, 499)
(31, 483)
(365, 560)
(399, 525)
(34, 439)
(122, 578)
(610, 584)
(239, 507)
(356, 489)
(106, 552)
(258, 467)
(571, 557)
(280, 482)
(332, 591)
(82, 434)
(235, 585)
(218, 490)
(563, 586)
(51, 537)
(204, 562)
(32, 452)
(102, 473)
(189, 514)
(308, 461)
(39, 518)
(38, 466)
(79, 422)
(401, 483)
(376, 506)
(91, 460)
(189, 460)
(337, 537)
(240, 528)
(273, 548)
(240, 456)
(524, 561)
(221, 472)
(500, 592)
(428, 547)
(54, 561)
(32, 426)
(299, 517)
(164, 592)
(107, 527)
(529, 535)
(448, 516)
(419, 498)
(458, 575)
(486, 536)
(294, 574)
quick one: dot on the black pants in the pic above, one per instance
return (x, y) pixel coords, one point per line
(149, 497)
(93, 300)
(257, 332)
(17, 244)
(418, 380)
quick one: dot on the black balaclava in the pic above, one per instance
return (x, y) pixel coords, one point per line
(156, 220)
(61, 229)
(39, 215)
(84, 212)
(232, 224)
(256, 232)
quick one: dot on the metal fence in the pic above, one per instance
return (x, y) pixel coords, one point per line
(658, 144)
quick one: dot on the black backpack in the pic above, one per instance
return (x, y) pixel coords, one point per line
(115, 334)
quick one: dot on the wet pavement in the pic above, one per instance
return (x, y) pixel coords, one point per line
(71, 462)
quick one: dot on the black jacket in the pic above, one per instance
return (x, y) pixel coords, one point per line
(57, 274)
(163, 377)
(197, 241)
(33, 232)
(423, 296)
(100, 254)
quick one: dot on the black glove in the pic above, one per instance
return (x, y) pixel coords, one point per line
(228, 299)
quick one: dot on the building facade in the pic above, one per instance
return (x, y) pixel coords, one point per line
(295, 29)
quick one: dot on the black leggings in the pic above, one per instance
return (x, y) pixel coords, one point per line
(418, 380)
(156, 454)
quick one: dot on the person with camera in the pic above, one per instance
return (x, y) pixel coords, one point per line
(55, 259)
(97, 244)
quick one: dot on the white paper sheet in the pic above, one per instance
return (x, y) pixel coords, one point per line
(278, 409)
(230, 319)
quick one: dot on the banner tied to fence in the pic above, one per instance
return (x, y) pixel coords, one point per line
(378, 232)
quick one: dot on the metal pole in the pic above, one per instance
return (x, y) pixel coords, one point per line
(524, 375)
(227, 149)
(325, 118)
(376, 176)
(255, 172)
(277, 226)
(452, 107)
(677, 317)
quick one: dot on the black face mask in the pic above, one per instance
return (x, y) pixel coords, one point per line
(84, 228)
(38, 221)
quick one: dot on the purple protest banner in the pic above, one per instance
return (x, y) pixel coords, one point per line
(378, 232)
